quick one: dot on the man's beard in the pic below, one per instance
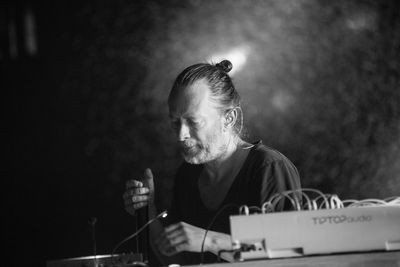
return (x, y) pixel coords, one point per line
(200, 154)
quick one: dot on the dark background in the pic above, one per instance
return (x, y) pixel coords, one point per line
(85, 84)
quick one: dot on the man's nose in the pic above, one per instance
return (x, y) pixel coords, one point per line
(183, 132)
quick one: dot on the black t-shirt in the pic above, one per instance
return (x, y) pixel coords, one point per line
(264, 173)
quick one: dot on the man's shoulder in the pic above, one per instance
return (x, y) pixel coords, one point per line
(265, 154)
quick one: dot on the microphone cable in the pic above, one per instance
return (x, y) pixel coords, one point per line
(210, 225)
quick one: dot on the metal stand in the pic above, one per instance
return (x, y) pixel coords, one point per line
(143, 218)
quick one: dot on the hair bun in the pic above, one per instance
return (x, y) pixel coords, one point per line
(225, 65)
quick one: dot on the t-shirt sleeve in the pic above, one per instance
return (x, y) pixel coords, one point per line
(276, 177)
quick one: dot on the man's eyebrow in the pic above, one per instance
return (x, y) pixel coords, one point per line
(193, 117)
(186, 116)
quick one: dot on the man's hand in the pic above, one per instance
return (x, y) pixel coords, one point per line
(181, 237)
(139, 194)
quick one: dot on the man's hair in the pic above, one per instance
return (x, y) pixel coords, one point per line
(222, 90)
(223, 93)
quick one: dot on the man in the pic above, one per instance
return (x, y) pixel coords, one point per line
(220, 173)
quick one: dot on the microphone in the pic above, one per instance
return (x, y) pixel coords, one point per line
(161, 215)
(92, 222)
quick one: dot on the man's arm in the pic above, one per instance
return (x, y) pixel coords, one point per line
(156, 230)
(185, 237)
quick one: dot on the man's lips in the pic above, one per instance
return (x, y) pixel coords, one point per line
(188, 148)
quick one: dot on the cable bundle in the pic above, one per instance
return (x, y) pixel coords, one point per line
(312, 199)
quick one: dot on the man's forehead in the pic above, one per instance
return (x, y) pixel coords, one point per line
(191, 99)
(199, 89)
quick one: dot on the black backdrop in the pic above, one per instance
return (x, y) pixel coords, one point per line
(87, 109)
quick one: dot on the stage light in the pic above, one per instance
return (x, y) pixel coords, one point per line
(238, 57)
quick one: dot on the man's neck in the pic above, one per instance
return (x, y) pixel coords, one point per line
(218, 168)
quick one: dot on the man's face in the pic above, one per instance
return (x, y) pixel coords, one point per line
(197, 123)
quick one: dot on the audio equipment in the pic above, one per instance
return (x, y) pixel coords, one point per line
(372, 225)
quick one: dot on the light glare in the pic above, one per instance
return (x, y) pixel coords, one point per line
(237, 56)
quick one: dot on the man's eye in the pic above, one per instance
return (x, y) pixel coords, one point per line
(175, 124)
(194, 123)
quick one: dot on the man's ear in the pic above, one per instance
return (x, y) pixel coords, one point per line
(230, 118)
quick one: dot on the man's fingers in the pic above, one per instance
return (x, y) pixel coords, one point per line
(139, 198)
(177, 240)
(148, 174)
(171, 235)
(135, 199)
(139, 193)
(133, 183)
(135, 191)
(181, 247)
(148, 180)
(140, 205)
(173, 227)
(169, 249)
(135, 206)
